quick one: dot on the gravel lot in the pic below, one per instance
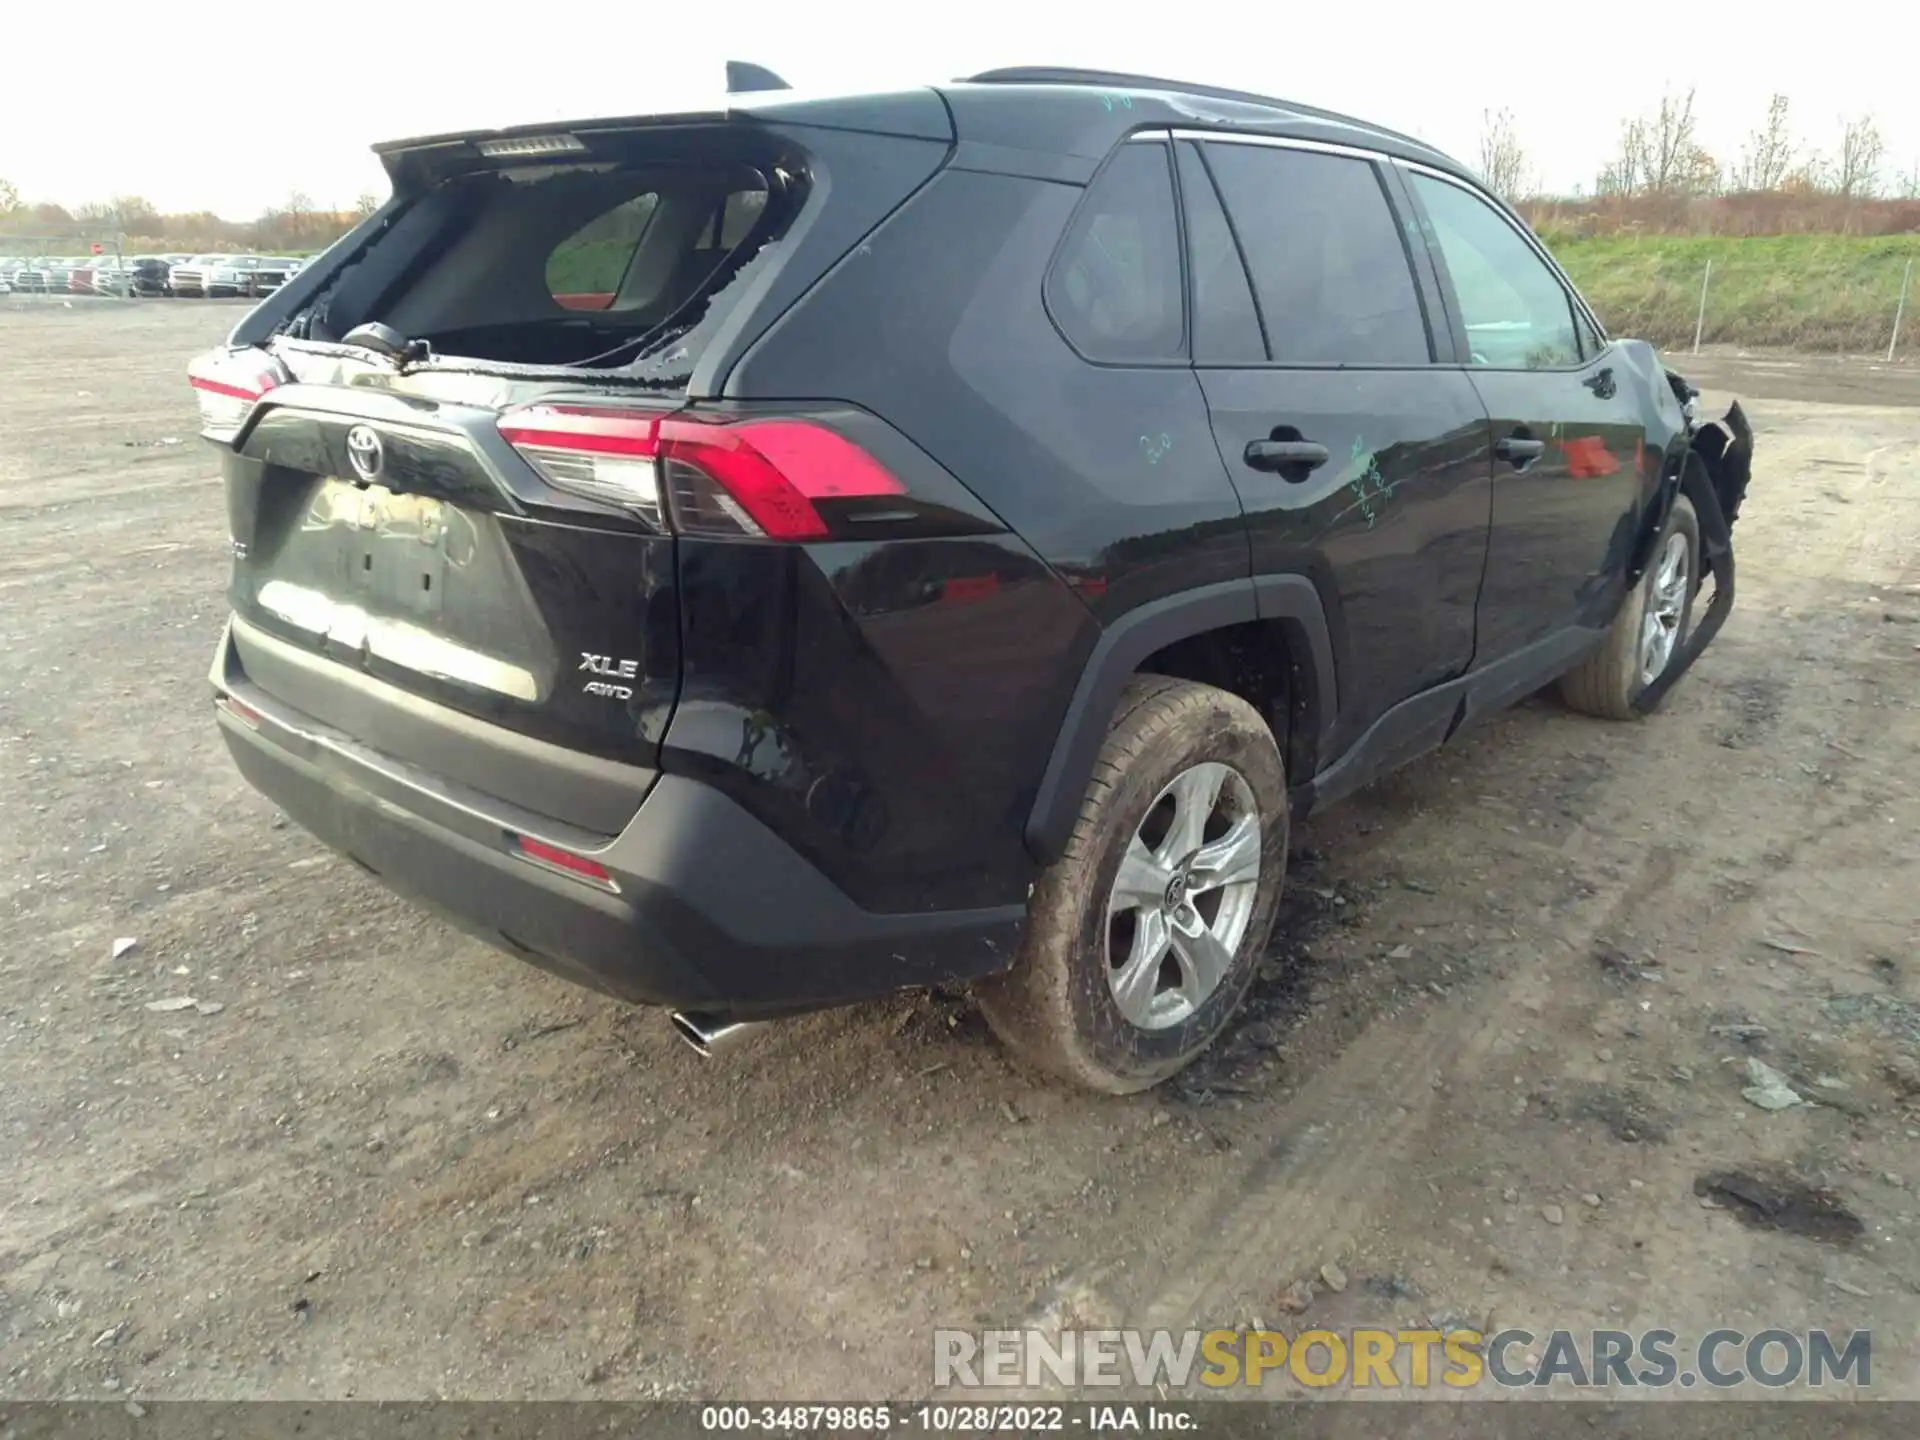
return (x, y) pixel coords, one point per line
(1502, 1035)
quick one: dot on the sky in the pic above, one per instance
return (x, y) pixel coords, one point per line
(213, 116)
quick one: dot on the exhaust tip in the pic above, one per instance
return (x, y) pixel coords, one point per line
(710, 1034)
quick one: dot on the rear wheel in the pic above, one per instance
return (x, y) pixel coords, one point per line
(1143, 937)
(1647, 633)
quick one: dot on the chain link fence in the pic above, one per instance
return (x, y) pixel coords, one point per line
(60, 265)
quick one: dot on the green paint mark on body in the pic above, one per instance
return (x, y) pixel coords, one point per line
(1371, 491)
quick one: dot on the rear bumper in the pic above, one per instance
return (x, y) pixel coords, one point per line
(708, 910)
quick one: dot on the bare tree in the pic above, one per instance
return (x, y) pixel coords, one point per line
(1767, 158)
(1910, 183)
(1626, 173)
(9, 197)
(1660, 155)
(135, 215)
(1503, 161)
(300, 216)
(1680, 165)
(366, 204)
(1858, 173)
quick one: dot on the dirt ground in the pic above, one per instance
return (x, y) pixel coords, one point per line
(1501, 1036)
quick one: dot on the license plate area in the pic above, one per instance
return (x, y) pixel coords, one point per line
(405, 585)
(396, 550)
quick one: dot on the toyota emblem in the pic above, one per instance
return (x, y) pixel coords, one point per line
(365, 452)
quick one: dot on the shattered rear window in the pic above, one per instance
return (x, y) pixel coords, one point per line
(609, 267)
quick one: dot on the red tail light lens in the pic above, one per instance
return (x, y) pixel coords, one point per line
(771, 470)
(552, 856)
(753, 478)
(228, 383)
(240, 710)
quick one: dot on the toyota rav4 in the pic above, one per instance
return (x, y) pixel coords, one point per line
(762, 558)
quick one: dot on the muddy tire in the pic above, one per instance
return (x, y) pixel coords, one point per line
(1647, 633)
(1143, 937)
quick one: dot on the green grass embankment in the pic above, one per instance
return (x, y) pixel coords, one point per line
(1805, 292)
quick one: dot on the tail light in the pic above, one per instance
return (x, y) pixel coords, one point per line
(552, 857)
(240, 710)
(228, 383)
(746, 479)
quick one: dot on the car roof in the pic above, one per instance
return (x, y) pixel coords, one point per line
(1088, 111)
(1079, 115)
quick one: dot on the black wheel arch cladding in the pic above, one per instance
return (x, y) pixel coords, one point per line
(1291, 600)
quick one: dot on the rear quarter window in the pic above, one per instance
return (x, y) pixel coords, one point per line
(1114, 289)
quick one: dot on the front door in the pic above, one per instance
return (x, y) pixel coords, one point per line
(1359, 461)
(1569, 459)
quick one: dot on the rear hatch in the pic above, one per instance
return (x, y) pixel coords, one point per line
(446, 441)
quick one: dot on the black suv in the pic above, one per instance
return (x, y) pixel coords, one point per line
(760, 559)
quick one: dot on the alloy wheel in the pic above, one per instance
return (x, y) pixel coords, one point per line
(1184, 896)
(1666, 607)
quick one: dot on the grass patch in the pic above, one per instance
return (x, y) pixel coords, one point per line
(1809, 292)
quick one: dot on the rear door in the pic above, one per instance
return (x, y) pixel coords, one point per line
(1359, 462)
(1569, 455)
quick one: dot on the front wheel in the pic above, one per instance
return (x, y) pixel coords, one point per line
(1143, 937)
(1647, 633)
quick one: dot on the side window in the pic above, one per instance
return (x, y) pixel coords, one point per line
(1115, 288)
(735, 220)
(1517, 314)
(1591, 343)
(1226, 326)
(1328, 264)
(585, 270)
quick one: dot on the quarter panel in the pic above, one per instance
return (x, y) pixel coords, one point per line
(936, 324)
(885, 707)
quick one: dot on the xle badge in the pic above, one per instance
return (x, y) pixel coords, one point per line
(606, 665)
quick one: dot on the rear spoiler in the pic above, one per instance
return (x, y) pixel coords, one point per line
(917, 114)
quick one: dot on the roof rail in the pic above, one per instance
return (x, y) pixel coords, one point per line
(1118, 80)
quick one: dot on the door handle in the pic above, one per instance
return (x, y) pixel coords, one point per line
(1600, 383)
(1290, 459)
(1519, 451)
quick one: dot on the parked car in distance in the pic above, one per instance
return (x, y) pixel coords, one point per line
(100, 275)
(272, 272)
(59, 273)
(189, 277)
(1173, 461)
(127, 276)
(230, 275)
(147, 275)
(9, 265)
(36, 276)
